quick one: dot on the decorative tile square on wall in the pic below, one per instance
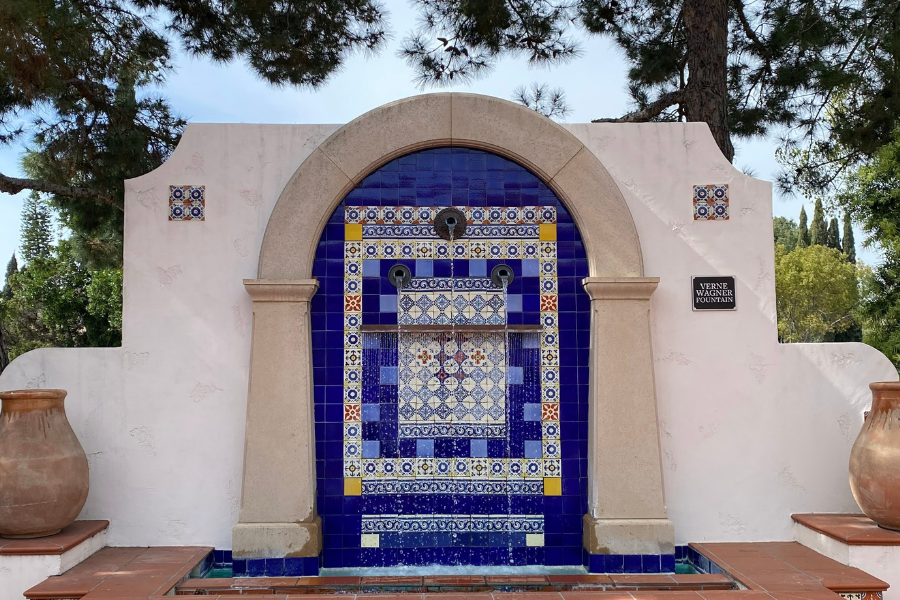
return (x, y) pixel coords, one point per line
(187, 202)
(480, 447)
(711, 202)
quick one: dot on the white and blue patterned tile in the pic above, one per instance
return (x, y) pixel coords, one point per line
(187, 202)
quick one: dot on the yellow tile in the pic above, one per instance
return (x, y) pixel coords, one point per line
(371, 540)
(552, 486)
(353, 232)
(352, 486)
(534, 539)
(548, 232)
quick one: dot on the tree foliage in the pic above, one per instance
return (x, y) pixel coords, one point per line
(53, 300)
(817, 292)
(834, 238)
(818, 230)
(540, 98)
(786, 233)
(36, 232)
(299, 43)
(857, 103)
(745, 69)
(803, 231)
(51, 305)
(77, 80)
(848, 244)
(872, 196)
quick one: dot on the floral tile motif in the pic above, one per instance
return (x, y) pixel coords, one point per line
(711, 202)
(187, 202)
(449, 383)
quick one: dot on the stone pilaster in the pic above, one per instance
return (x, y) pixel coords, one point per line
(278, 497)
(626, 506)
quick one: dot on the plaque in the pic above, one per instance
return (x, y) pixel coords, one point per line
(713, 293)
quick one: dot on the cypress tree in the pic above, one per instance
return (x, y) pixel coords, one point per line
(848, 245)
(818, 231)
(36, 232)
(803, 233)
(834, 238)
(11, 267)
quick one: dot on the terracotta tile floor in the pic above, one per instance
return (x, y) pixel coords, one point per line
(126, 573)
(65, 540)
(787, 567)
(776, 570)
(854, 530)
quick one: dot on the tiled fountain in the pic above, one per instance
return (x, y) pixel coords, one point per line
(451, 406)
(452, 338)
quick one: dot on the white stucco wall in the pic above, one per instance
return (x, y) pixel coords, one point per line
(751, 430)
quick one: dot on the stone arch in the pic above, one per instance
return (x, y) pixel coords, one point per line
(450, 119)
(626, 510)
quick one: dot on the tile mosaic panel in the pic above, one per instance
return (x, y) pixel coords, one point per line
(711, 202)
(187, 202)
(452, 385)
(479, 454)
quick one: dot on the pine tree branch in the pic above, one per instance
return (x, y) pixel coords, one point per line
(651, 111)
(13, 185)
(748, 30)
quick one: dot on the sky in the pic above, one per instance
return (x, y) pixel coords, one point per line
(205, 92)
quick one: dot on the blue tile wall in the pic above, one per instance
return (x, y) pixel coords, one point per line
(275, 567)
(468, 179)
(629, 563)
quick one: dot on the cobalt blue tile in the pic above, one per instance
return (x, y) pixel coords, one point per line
(424, 268)
(256, 567)
(371, 268)
(239, 567)
(441, 268)
(388, 375)
(479, 448)
(631, 563)
(388, 303)
(274, 567)
(371, 449)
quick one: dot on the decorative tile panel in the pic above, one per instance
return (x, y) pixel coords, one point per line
(187, 202)
(452, 385)
(481, 427)
(458, 307)
(711, 202)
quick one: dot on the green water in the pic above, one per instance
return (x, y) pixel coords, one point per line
(222, 572)
(683, 568)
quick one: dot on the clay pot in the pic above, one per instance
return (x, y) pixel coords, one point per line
(875, 458)
(43, 469)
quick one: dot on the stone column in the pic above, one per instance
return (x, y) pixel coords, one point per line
(626, 507)
(278, 497)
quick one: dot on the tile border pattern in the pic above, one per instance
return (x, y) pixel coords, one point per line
(357, 247)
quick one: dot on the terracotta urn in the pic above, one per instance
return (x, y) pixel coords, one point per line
(875, 458)
(43, 469)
